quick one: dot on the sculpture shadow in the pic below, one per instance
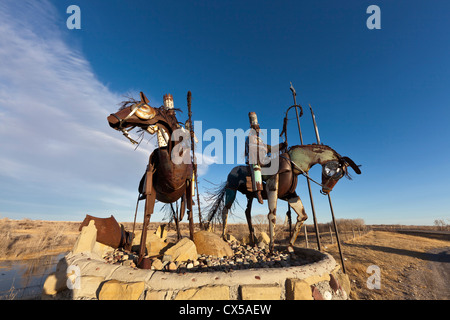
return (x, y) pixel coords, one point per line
(434, 255)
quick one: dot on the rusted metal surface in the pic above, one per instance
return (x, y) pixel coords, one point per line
(168, 101)
(164, 180)
(255, 150)
(145, 263)
(298, 160)
(305, 155)
(190, 127)
(109, 232)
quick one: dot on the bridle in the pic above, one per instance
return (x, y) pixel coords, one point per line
(134, 108)
(301, 171)
(308, 177)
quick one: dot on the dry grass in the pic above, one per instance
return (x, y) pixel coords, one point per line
(397, 255)
(27, 239)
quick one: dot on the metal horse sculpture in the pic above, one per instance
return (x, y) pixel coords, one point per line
(164, 180)
(298, 160)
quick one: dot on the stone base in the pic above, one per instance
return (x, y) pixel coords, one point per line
(86, 276)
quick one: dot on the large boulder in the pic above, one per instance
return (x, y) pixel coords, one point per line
(264, 238)
(87, 238)
(209, 243)
(154, 243)
(183, 250)
(161, 232)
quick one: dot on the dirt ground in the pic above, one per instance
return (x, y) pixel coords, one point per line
(412, 267)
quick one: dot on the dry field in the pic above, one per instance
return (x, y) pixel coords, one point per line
(28, 239)
(402, 259)
(405, 265)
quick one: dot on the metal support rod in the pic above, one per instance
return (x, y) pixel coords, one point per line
(331, 235)
(294, 94)
(316, 227)
(337, 234)
(193, 159)
(135, 212)
(329, 197)
(306, 237)
(315, 125)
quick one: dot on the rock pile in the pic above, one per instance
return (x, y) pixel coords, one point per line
(183, 256)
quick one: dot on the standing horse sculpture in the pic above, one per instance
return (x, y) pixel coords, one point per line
(298, 160)
(164, 180)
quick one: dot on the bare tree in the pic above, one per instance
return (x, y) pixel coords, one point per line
(440, 224)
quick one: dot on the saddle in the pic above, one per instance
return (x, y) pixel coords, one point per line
(285, 167)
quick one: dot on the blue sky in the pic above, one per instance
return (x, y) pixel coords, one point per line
(380, 97)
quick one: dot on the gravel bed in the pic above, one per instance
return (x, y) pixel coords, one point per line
(245, 257)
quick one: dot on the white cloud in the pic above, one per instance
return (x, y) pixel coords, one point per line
(204, 161)
(54, 136)
(58, 156)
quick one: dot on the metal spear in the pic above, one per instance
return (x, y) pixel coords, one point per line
(316, 227)
(194, 160)
(329, 197)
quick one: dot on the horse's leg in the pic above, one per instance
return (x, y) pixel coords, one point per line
(296, 204)
(272, 196)
(248, 215)
(177, 217)
(182, 206)
(150, 197)
(289, 216)
(230, 195)
(188, 193)
(224, 222)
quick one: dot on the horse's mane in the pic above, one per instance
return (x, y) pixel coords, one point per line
(131, 101)
(127, 103)
(316, 145)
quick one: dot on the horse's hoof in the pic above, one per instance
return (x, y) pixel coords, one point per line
(290, 249)
(145, 263)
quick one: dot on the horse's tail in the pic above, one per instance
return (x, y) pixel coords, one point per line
(216, 198)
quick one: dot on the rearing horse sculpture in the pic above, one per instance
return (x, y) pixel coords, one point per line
(164, 180)
(298, 160)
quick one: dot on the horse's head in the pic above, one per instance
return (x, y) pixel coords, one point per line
(334, 167)
(140, 114)
(334, 170)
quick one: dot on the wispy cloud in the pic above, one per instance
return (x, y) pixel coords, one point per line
(55, 144)
(204, 161)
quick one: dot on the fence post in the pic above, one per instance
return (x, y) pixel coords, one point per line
(331, 235)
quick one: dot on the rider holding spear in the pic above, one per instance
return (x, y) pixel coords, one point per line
(256, 154)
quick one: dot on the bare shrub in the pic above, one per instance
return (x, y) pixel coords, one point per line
(26, 238)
